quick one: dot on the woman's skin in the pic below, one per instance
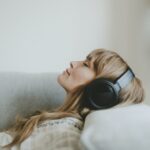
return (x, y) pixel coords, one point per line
(79, 73)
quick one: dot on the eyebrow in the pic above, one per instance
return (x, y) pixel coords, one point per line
(88, 57)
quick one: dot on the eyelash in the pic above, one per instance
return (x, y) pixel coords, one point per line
(85, 64)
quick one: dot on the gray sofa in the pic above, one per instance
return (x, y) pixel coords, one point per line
(24, 93)
(118, 128)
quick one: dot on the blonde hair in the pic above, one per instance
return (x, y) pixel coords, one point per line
(107, 64)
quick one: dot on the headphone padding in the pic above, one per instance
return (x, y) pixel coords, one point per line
(100, 93)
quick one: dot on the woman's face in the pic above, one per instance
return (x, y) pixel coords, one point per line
(79, 73)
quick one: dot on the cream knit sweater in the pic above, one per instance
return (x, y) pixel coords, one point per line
(60, 134)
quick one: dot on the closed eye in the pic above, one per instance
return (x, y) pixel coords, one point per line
(85, 64)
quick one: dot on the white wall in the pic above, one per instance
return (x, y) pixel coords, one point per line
(45, 35)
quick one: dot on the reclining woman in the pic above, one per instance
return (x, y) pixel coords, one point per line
(101, 81)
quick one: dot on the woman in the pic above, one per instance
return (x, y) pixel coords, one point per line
(76, 80)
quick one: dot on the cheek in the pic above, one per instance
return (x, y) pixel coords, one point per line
(81, 77)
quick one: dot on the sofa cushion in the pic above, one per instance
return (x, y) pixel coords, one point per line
(124, 128)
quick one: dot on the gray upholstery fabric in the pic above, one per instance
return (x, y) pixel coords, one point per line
(24, 93)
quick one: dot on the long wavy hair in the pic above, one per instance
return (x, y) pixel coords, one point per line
(106, 64)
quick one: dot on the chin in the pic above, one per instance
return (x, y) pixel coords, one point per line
(60, 80)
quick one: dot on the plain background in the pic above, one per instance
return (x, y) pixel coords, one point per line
(45, 35)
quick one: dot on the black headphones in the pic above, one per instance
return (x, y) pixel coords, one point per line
(104, 93)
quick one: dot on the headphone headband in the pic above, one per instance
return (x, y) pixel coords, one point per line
(125, 78)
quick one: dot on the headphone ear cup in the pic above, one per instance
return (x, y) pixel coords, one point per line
(99, 94)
